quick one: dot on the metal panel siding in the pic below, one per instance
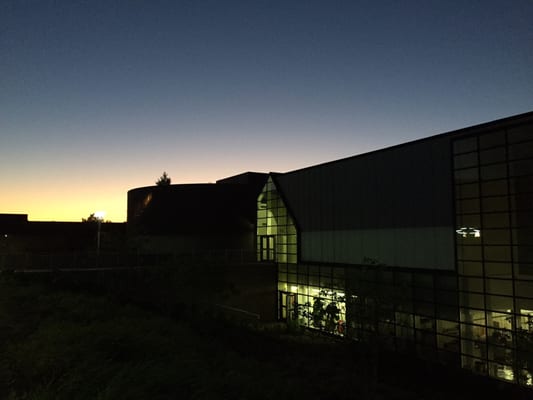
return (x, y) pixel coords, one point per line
(384, 203)
(429, 247)
(404, 186)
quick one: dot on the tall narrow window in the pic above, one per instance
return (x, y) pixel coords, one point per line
(267, 248)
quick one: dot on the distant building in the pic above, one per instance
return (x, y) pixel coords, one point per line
(427, 246)
(208, 224)
(196, 217)
(30, 244)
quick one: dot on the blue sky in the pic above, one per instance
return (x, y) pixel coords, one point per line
(99, 97)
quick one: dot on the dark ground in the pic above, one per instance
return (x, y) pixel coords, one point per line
(58, 344)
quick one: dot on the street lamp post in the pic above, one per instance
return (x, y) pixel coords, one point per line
(99, 215)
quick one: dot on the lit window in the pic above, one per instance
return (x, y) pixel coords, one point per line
(468, 231)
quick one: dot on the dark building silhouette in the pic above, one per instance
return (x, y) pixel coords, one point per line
(31, 244)
(425, 247)
(196, 217)
(208, 224)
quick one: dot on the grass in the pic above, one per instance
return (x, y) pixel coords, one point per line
(64, 345)
(60, 344)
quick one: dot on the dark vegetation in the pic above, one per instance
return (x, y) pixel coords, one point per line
(68, 336)
(163, 180)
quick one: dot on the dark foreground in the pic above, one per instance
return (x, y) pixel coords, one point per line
(57, 344)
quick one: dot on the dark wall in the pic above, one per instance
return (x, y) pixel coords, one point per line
(406, 186)
(210, 215)
(18, 235)
(393, 206)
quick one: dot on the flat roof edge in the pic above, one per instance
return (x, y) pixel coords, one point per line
(516, 119)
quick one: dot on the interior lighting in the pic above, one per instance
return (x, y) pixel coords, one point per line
(147, 200)
(466, 231)
(294, 289)
(99, 214)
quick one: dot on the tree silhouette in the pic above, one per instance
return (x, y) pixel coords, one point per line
(164, 180)
(94, 218)
(90, 218)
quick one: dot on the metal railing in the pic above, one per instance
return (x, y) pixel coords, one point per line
(109, 260)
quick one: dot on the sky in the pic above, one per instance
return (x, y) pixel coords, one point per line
(100, 97)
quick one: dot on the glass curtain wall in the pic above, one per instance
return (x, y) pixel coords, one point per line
(408, 311)
(309, 296)
(276, 232)
(493, 176)
(480, 318)
(277, 242)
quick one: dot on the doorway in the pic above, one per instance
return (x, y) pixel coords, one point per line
(267, 248)
(288, 310)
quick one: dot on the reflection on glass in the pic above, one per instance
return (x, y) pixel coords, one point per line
(467, 231)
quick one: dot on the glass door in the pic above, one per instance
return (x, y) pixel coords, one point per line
(267, 248)
(288, 306)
